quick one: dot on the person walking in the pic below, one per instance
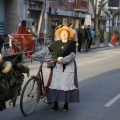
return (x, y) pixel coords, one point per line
(91, 36)
(72, 27)
(57, 27)
(87, 38)
(64, 83)
(22, 28)
(81, 37)
(114, 39)
(33, 29)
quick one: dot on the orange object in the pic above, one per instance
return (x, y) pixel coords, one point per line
(114, 39)
(23, 43)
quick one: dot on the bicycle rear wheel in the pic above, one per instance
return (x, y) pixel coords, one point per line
(30, 96)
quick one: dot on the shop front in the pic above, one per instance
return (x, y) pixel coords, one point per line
(57, 16)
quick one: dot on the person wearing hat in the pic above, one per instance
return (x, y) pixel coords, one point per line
(64, 83)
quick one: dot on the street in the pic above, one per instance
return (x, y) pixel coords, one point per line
(99, 84)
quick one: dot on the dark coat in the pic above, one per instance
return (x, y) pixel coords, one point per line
(81, 34)
(87, 35)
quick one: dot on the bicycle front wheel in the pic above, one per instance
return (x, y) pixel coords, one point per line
(30, 96)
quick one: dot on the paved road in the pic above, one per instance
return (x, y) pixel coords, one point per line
(99, 83)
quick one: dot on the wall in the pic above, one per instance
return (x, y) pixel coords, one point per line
(1, 16)
(1, 10)
(11, 16)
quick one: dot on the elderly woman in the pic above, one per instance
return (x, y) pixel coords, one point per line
(64, 84)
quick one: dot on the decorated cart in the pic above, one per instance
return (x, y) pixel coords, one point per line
(11, 78)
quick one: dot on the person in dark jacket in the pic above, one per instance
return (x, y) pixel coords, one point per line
(81, 37)
(91, 36)
(87, 38)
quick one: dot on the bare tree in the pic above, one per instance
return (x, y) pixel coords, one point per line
(97, 10)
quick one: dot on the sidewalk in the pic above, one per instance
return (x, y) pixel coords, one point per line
(104, 48)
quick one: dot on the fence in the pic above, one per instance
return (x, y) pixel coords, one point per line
(21, 43)
(25, 43)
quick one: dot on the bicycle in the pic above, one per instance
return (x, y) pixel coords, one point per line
(35, 89)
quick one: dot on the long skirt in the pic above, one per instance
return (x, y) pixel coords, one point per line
(71, 96)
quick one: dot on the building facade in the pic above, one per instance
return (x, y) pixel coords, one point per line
(2, 16)
(14, 11)
(64, 11)
(113, 7)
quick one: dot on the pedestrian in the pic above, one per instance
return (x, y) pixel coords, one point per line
(59, 25)
(72, 27)
(81, 37)
(33, 29)
(87, 38)
(23, 30)
(91, 36)
(114, 39)
(64, 83)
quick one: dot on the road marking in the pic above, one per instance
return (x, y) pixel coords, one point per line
(112, 101)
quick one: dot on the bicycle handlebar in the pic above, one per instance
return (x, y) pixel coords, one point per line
(44, 59)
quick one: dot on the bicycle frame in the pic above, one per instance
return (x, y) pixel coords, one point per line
(38, 90)
(44, 89)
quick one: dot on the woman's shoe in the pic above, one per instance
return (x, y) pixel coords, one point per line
(54, 108)
(65, 108)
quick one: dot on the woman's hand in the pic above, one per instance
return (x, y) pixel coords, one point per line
(59, 61)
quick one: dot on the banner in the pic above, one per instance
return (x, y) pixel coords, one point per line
(87, 20)
(47, 6)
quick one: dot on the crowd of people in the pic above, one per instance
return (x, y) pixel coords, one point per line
(85, 37)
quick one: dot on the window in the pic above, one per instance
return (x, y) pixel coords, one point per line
(70, 0)
(84, 3)
(63, 2)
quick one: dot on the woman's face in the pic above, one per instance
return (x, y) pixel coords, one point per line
(64, 34)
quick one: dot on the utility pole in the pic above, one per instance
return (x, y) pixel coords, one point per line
(41, 17)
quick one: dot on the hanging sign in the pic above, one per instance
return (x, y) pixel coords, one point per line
(47, 6)
(87, 20)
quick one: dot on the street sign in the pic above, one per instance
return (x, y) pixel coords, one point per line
(47, 6)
